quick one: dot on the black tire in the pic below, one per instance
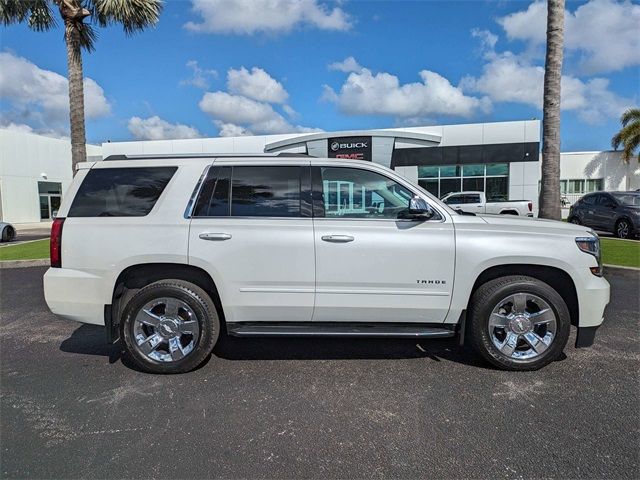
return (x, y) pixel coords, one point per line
(490, 295)
(575, 220)
(201, 305)
(8, 234)
(624, 229)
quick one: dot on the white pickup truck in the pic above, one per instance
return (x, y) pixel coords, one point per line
(476, 202)
(170, 252)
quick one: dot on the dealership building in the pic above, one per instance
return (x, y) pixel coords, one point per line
(501, 159)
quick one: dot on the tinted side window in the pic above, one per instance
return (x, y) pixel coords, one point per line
(472, 199)
(357, 193)
(120, 192)
(269, 191)
(589, 199)
(213, 200)
(454, 200)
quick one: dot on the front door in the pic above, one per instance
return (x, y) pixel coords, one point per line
(251, 229)
(370, 265)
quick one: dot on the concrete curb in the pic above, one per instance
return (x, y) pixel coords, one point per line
(42, 262)
(621, 267)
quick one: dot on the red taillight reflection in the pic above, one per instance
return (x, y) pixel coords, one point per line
(55, 249)
(530, 206)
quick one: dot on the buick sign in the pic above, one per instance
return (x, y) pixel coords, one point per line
(354, 148)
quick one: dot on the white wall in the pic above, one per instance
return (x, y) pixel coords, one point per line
(24, 158)
(608, 165)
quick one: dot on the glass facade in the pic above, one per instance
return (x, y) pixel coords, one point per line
(50, 196)
(491, 178)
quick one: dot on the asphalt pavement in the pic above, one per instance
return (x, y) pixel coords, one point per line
(72, 407)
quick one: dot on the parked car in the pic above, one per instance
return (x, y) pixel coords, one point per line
(167, 253)
(615, 212)
(7, 232)
(476, 202)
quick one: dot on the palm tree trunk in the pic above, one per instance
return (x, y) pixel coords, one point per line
(550, 206)
(76, 95)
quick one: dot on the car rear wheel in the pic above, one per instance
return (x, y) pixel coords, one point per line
(518, 323)
(170, 326)
(624, 229)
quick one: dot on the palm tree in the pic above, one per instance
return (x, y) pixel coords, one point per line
(629, 134)
(550, 206)
(134, 15)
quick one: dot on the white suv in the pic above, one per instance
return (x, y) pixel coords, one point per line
(168, 252)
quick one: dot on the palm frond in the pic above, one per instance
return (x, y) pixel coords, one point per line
(88, 36)
(37, 13)
(13, 11)
(41, 17)
(632, 114)
(631, 135)
(134, 15)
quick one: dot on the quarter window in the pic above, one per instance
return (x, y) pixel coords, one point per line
(120, 192)
(357, 193)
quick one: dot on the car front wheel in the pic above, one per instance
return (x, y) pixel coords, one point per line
(623, 229)
(574, 220)
(518, 323)
(170, 326)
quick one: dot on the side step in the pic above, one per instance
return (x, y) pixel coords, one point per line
(322, 329)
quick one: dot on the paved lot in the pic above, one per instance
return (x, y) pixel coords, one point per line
(71, 407)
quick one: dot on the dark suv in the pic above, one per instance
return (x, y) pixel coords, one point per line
(615, 212)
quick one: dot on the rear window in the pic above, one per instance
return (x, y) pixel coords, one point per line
(120, 192)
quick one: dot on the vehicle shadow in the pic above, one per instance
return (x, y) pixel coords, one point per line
(91, 340)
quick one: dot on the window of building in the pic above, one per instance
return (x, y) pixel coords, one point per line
(492, 178)
(120, 192)
(50, 195)
(357, 193)
(581, 185)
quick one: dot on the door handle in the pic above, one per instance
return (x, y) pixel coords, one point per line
(337, 238)
(215, 236)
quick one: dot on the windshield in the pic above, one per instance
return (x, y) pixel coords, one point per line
(628, 199)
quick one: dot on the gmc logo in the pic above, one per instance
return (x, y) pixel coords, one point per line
(351, 156)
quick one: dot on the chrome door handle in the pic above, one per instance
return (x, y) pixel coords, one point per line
(337, 238)
(215, 236)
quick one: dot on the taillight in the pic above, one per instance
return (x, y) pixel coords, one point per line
(530, 206)
(55, 249)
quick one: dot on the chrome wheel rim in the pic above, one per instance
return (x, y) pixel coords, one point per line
(522, 326)
(623, 229)
(166, 329)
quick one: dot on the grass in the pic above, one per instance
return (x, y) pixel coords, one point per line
(26, 251)
(614, 252)
(620, 252)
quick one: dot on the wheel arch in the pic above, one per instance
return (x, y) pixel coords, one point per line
(555, 277)
(509, 211)
(135, 277)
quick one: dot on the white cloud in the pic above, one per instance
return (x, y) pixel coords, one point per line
(200, 77)
(247, 17)
(291, 113)
(155, 128)
(40, 98)
(507, 77)
(348, 65)
(257, 84)
(365, 93)
(239, 115)
(604, 33)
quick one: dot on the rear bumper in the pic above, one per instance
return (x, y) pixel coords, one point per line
(75, 295)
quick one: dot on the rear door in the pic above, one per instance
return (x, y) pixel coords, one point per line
(372, 266)
(251, 229)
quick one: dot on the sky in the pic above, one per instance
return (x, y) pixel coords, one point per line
(240, 67)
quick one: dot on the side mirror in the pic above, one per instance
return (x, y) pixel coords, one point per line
(419, 209)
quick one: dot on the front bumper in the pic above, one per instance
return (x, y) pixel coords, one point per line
(593, 297)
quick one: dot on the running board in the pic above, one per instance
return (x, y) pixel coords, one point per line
(312, 329)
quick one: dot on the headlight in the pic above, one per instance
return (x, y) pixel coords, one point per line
(591, 245)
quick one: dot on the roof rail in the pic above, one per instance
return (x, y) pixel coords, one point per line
(200, 155)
